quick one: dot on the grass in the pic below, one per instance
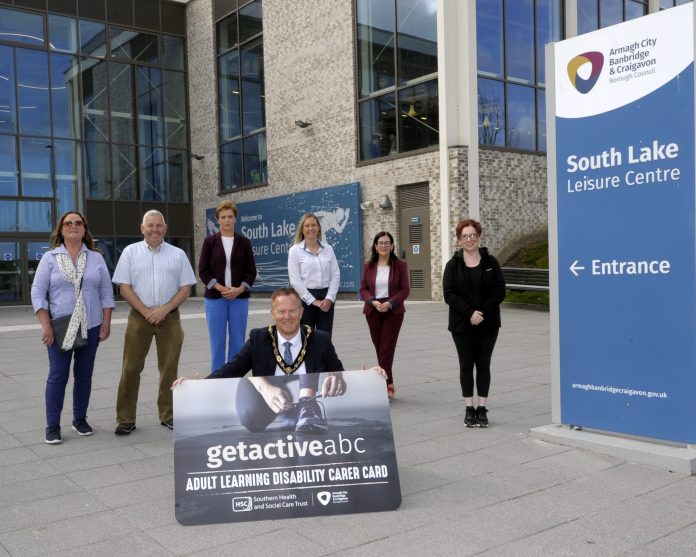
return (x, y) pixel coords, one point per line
(532, 256)
(527, 297)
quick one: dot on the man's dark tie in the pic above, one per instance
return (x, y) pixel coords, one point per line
(287, 355)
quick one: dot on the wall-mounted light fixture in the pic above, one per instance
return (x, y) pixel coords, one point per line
(386, 203)
(197, 157)
(302, 124)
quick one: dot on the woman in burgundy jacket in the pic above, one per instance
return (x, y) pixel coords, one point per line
(383, 288)
(227, 269)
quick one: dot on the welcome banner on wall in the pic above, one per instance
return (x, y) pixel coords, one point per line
(624, 190)
(271, 223)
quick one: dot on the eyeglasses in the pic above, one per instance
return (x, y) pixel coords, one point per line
(384, 244)
(73, 223)
(467, 237)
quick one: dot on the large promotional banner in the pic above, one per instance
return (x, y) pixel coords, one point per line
(225, 471)
(270, 224)
(625, 223)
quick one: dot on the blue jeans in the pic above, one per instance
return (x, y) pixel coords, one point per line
(227, 323)
(58, 372)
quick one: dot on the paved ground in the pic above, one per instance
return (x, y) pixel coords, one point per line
(465, 491)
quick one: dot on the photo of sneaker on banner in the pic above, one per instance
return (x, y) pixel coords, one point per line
(285, 349)
(311, 417)
(263, 402)
(307, 415)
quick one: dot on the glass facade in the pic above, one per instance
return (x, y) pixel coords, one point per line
(665, 4)
(511, 35)
(597, 14)
(93, 117)
(398, 107)
(241, 97)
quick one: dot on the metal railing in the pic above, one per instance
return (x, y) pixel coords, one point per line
(519, 278)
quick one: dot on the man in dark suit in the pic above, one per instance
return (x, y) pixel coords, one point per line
(284, 348)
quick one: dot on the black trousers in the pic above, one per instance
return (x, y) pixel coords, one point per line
(475, 348)
(254, 414)
(314, 317)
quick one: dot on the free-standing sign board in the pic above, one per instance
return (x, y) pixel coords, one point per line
(621, 204)
(225, 473)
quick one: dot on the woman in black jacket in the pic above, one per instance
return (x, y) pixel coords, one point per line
(474, 288)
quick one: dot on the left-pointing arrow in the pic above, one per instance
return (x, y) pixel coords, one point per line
(574, 268)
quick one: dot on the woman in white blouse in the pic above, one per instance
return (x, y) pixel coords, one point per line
(314, 274)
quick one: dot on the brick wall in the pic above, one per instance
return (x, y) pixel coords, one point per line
(309, 64)
(513, 198)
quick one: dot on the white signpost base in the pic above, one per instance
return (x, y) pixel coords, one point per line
(667, 457)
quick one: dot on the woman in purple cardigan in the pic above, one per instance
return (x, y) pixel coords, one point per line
(227, 269)
(72, 280)
(383, 288)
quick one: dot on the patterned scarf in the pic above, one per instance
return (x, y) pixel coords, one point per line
(78, 320)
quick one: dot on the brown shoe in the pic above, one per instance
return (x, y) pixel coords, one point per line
(124, 429)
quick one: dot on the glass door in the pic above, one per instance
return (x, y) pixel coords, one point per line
(11, 291)
(19, 258)
(34, 252)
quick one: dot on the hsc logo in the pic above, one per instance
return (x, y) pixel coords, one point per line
(242, 504)
(585, 85)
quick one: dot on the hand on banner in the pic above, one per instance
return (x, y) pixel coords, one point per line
(376, 369)
(333, 385)
(277, 398)
(180, 380)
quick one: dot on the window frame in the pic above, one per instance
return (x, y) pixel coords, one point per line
(537, 85)
(79, 141)
(226, 147)
(394, 90)
(624, 10)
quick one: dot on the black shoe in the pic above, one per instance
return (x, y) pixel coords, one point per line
(470, 417)
(287, 420)
(168, 423)
(53, 435)
(82, 427)
(124, 429)
(481, 417)
(310, 418)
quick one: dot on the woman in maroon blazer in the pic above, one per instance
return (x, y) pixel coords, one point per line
(227, 269)
(383, 288)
